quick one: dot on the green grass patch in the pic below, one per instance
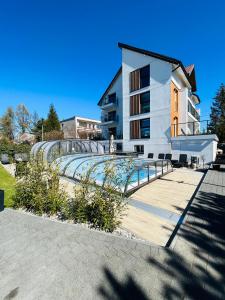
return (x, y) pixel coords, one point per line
(7, 183)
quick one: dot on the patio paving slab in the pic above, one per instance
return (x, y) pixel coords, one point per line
(160, 203)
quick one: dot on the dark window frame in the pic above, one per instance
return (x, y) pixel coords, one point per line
(140, 151)
(136, 105)
(141, 128)
(141, 104)
(112, 115)
(137, 83)
(133, 124)
(112, 95)
(144, 76)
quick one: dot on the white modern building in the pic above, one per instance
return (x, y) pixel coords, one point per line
(151, 106)
(80, 128)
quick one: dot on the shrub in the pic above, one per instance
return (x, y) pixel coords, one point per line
(53, 135)
(38, 190)
(8, 147)
(21, 169)
(101, 206)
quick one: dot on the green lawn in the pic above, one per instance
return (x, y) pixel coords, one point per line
(7, 183)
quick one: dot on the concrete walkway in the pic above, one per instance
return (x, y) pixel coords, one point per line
(42, 259)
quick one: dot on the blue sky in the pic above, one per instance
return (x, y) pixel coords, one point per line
(65, 52)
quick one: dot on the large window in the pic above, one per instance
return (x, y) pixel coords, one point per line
(140, 129)
(112, 98)
(140, 78)
(144, 76)
(145, 102)
(140, 104)
(145, 128)
(112, 116)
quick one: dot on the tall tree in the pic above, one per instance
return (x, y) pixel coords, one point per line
(217, 116)
(34, 121)
(52, 121)
(23, 118)
(7, 124)
(37, 129)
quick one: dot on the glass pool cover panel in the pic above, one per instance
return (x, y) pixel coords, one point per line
(63, 161)
(80, 166)
(129, 172)
(119, 166)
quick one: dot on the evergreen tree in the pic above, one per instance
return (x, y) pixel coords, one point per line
(217, 116)
(7, 124)
(52, 121)
(37, 128)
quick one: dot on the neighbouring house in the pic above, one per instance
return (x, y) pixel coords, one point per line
(80, 128)
(27, 137)
(151, 106)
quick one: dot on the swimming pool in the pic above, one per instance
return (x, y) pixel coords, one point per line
(128, 173)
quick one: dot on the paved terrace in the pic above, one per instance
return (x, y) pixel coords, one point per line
(155, 209)
(42, 259)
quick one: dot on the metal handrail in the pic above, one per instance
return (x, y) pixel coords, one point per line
(138, 168)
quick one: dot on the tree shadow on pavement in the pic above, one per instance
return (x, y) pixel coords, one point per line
(124, 291)
(195, 267)
(197, 263)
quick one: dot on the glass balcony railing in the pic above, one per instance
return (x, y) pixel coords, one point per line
(110, 101)
(106, 119)
(191, 128)
(193, 111)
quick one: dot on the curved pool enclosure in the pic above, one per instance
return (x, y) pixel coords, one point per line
(50, 150)
(85, 159)
(129, 173)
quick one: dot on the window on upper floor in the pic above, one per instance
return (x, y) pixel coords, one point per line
(140, 129)
(112, 98)
(145, 128)
(140, 104)
(145, 102)
(112, 116)
(140, 78)
(144, 76)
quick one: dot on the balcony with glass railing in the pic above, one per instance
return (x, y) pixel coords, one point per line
(193, 111)
(109, 119)
(190, 128)
(109, 102)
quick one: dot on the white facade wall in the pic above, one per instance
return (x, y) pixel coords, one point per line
(160, 78)
(70, 127)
